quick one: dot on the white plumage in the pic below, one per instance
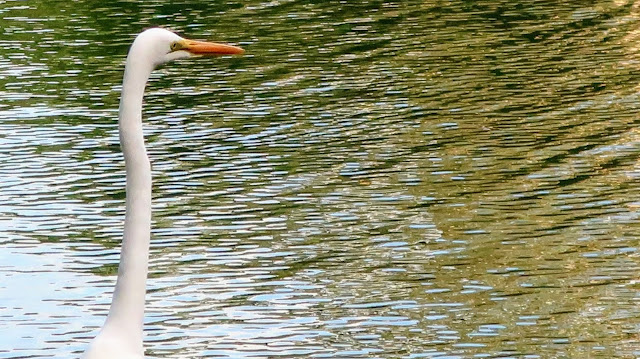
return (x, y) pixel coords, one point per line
(121, 335)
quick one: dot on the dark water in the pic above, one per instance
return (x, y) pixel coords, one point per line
(374, 179)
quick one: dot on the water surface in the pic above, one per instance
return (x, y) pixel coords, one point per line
(373, 180)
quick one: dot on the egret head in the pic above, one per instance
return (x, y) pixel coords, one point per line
(157, 46)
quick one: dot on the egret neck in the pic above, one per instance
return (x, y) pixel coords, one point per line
(127, 308)
(121, 336)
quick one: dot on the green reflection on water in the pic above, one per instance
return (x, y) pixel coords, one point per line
(454, 177)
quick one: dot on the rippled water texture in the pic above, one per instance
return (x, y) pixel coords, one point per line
(439, 179)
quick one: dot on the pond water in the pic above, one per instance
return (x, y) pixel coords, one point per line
(373, 179)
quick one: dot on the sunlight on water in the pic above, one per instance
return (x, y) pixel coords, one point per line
(371, 180)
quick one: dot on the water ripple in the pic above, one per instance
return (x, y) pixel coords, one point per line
(372, 179)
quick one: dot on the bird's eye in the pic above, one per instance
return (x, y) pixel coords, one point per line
(175, 46)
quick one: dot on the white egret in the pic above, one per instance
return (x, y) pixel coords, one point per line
(121, 335)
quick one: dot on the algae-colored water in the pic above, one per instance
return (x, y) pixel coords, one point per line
(441, 179)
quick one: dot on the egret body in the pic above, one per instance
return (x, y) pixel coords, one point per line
(121, 335)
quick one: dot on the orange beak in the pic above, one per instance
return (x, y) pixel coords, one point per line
(210, 48)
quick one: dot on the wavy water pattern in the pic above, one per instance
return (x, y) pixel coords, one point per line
(372, 179)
